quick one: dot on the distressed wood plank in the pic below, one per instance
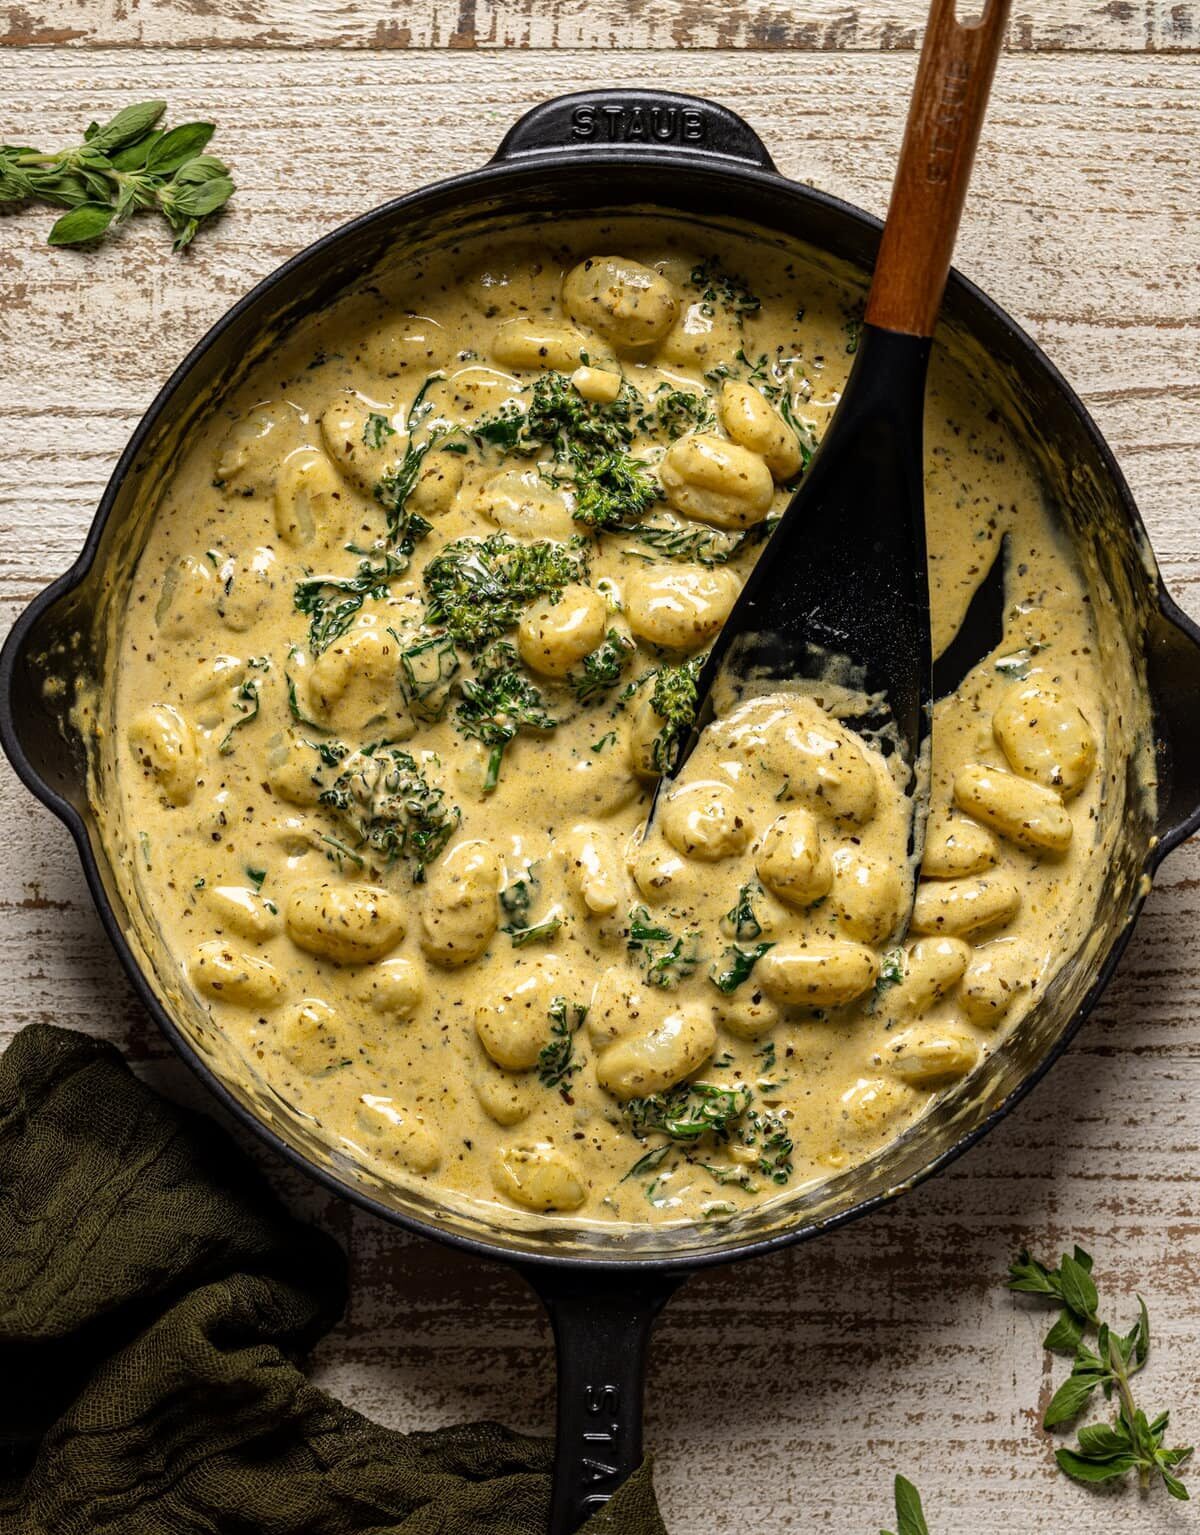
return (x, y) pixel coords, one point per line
(816, 26)
(786, 1393)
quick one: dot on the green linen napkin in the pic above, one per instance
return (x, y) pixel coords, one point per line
(154, 1299)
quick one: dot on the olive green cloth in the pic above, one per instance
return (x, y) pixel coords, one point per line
(154, 1297)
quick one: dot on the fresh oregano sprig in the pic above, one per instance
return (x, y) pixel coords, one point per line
(1104, 1450)
(124, 166)
(910, 1516)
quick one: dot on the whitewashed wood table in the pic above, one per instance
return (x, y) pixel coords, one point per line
(786, 1393)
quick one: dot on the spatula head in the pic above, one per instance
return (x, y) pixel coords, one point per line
(841, 593)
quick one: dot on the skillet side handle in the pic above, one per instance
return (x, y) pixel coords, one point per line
(601, 1329)
(1173, 672)
(634, 119)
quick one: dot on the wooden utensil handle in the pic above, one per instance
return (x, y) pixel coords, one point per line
(949, 99)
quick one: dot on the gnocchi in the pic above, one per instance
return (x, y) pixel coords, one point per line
(226, 974)
(1026, 813)
(415, 630)
(460, 912)
(709, 821)
(716, 481)
(792, 861)
(1045, 738)
(630, 305)
(309, 498)
(348, 924)
(533, 344)
(537, 1176)
(959, 907)
(308, 1036)
(680, 608)
(164, 745)
(638, 1064)
(817, 974)
(758, 427)
(923, 1057)
(554, 635)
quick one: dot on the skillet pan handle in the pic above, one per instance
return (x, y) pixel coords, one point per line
(601, 1328)
(631, 119)
(1173, 673)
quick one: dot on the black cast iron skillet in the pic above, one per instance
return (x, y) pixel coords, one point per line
(687, 159)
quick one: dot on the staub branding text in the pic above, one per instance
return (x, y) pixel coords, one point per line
(639, 124)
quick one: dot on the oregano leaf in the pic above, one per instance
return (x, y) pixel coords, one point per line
(87, 222)
(129, 124)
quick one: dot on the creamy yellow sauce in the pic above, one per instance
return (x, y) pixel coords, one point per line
(456, 953)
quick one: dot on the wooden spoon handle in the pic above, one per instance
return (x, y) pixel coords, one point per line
(949, 99)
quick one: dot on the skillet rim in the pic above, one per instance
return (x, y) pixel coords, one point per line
(495, 174)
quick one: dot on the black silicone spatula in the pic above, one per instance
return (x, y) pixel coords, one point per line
(840, 593)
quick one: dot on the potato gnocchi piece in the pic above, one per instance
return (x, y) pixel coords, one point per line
(1025, 813)
(632, 306)
(413, 347)
(229, 975)
(682, 607)
(353, 681)
(532, 344)
(403, 1137)
(1046, 738)
(555, 633)
(393, 988)
(309, 498)
(600, 386)
(639, 1064)
(792, 862)
(816, 973)
(462, 904)
(955, 847)
(870, 1108)
(998, 974)
(361, 438)
(960, 907)
(618, 1007)
(756, 425)
(593, 869)
(932, 969)
(521, 503)
(817, 760)
(867, 897)
(513, 281)
(438, 483)
(256, 444)
(716, 482)
(246, 587)
(243, 912)
(475, 391)
(186, 599)
(514, 1026)
(535, 1175)
(164, 746)
(701, 337)
(348, 924)
(708, 820)
(215, 676)
(660, 872)
(926, 1056)
(293, 772)
(307, 1035)
(503, 1097)
(642, 735)
(746, 1013)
